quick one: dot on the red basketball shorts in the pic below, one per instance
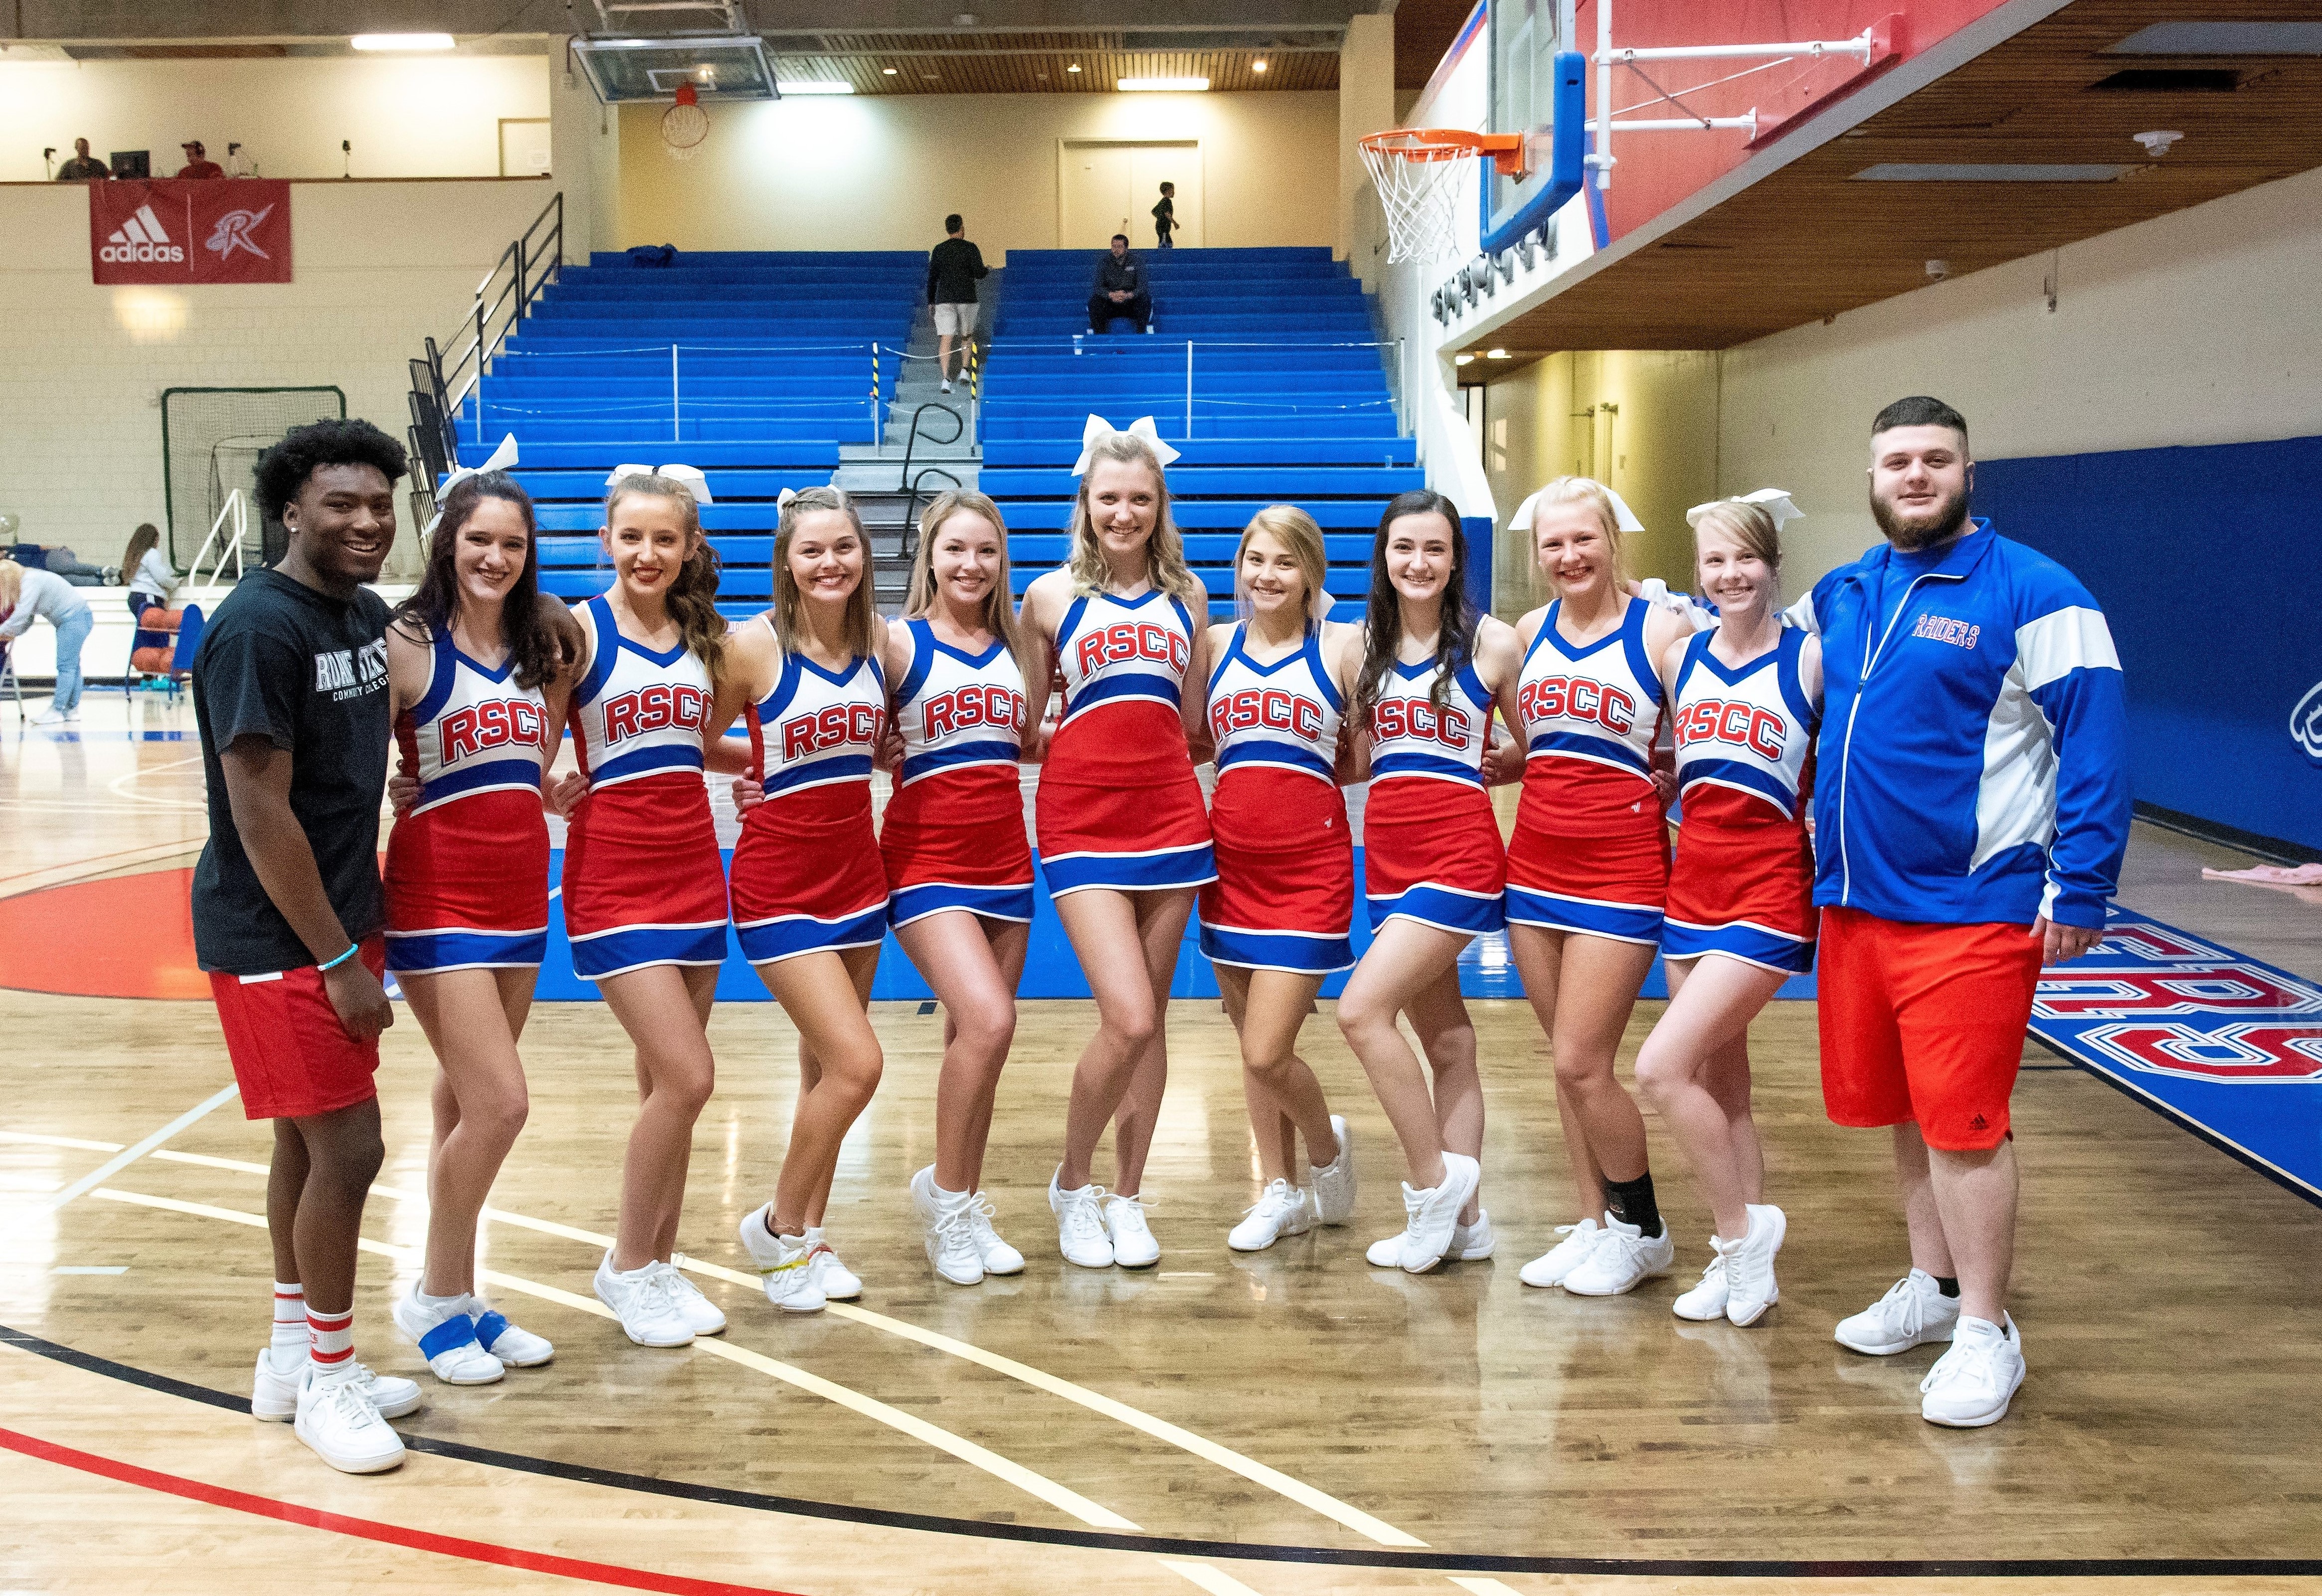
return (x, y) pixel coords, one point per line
(291, 1057)
(1924, 1024)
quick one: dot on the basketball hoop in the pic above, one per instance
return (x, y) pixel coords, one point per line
(1416, 169)
(684, 125)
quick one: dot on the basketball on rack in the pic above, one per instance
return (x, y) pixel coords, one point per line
(684, 125)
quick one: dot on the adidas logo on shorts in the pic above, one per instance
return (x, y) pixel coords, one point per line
(141, 238)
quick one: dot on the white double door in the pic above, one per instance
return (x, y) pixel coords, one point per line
(1108, 187)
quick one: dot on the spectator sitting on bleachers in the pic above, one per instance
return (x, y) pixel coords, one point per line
(198, 163)
(1120, 289)
(83, 166)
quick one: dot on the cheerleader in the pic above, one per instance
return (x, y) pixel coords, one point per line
(1747, 701)
(477, 663)
(644, 887)
(1433, 670)
(1279, 917)
(1588, 868)
(809, 893)
(1124, 839)
(959, 867)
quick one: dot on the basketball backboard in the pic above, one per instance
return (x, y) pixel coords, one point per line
(1537, 88)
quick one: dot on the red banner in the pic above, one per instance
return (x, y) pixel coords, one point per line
(215, 229)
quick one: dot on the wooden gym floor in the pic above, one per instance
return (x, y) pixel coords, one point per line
(1282, 1423)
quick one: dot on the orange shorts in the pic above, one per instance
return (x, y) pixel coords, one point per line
(291, 1057)
(1924, 1023)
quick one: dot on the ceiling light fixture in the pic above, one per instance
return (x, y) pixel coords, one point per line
(890, 71)
(2156, 144)
(1461, 360)
(1258, 65)
(1495, 354)
(1073, 68)
(370, 41)
(1162, 86)
(813, 85)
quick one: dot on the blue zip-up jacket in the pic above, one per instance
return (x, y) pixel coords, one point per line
(1971, 768)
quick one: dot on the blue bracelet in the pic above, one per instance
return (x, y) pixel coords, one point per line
(352, 949)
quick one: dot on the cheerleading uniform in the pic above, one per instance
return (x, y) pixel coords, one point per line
(643, 880)
(954, 835)
(1744, 884)
(1431, 844)
(1590, 851)
(467, 869)
(807, 876)
(1285, 894)
(1118, 805)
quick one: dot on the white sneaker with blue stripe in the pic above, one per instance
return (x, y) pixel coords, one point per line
(446, 1336)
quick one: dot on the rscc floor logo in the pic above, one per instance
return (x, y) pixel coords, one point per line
(2306, 724)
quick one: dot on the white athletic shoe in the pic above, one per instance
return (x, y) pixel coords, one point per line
(839, 1283)
(1280, 1211)
(391, 1395)
(1972, 1385)
(273, 1391)
(1133, 1243)
(514, 1346)
(701, 1316)
(1334, 1182)
(949, 1238)
(1550, 1267)
(946, 387)
(640, 1300)
(1430, 1217)
(1707, 1300)
(56, 717)
(1081, 1233)
(337, 1421)
(998, 1257)
(1913, 1311)
(447, 1338)
(1624, 1258)
(1471, 1243)
(1750, 1264)
(785, 1264)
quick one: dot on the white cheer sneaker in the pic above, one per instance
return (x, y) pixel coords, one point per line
(1081, 1233)
(642, 1302)
(1913, 1311)
(1550, 1267)
(1750, 1264)
(1624, 1258)
(1134, 1245)
(1430, 1217)
(513, 1345)
(949, 1238)
(837, 1282)
(446, 1337)
(337, 1421)
(1972, 1384)
(1707, 1300)
(998, 1257)
(785, 1264)
(274, 1391)
(1334, 1182)
(1280, 1210)
(1469, 1244)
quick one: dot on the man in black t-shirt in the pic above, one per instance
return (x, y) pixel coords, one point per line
(954, 265)
(290, 694)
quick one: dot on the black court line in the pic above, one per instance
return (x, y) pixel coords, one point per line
(2148, 1568)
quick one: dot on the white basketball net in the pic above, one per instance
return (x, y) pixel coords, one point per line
(683, 127)
(1418, 181)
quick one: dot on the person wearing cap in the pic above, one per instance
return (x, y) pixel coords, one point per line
(83, 166)
(197, 161)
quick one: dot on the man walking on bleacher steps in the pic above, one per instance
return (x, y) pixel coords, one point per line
(953, 267)
(1120, 289)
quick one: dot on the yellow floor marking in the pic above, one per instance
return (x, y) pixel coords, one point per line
(1014, 1473)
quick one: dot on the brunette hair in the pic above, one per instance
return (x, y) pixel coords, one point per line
(143, 541)
(534, 646)
(999, 608)
(692, 597)
(1165, 550)
(860, 608)
(1455, 641)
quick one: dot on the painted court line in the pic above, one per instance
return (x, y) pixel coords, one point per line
(132, 1154)
(1014, 1473)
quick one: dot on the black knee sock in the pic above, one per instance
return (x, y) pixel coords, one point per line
(1632, 1202)
(1948, 1284)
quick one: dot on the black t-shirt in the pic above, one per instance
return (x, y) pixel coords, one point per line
(308, 673)
(953, 267)
(1164, 214)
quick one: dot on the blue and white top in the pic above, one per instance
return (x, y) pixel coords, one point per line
(637, 712)
(1974, 760)
(956, 710)
(1409, 738)
(473, 730)
(1283, 716)
(819, 726)
(1116, 651)
(1751, 728)
(1599, 702)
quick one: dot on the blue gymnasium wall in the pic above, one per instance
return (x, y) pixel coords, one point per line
(2206, 562)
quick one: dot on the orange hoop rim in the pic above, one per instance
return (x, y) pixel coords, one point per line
(1447, 143)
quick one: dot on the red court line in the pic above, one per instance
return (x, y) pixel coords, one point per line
(419, 1540)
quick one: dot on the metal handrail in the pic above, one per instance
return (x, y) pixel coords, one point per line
(503, 299)
(910, 545)
(907, 483)
(238, 509)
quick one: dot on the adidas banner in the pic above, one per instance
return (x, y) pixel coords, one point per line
(220, 230)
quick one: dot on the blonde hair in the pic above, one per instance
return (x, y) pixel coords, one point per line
(1295, 531)
(1751, 526)
(788, 600)
(1165, 550)
(692, 597)
(1587, 490)
(999, 607)
(11, 585)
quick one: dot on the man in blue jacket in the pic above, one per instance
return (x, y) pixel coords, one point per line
(1970, 809)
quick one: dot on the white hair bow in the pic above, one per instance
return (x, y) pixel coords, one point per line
(695, 482)
(502, 458)
(1623, 518)
(1099, 429)
(1774, 501)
